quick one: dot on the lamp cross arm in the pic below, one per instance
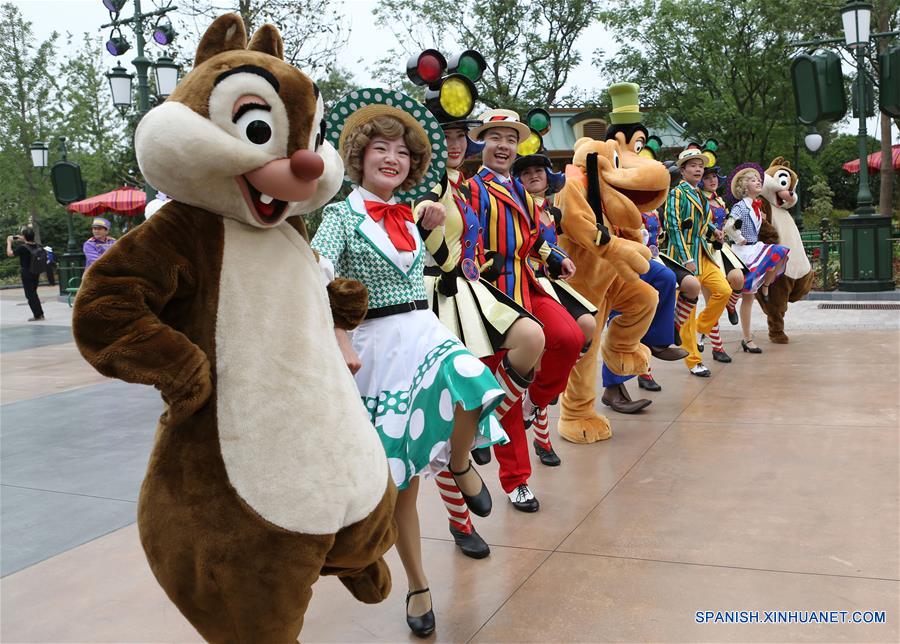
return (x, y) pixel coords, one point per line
(124, 21)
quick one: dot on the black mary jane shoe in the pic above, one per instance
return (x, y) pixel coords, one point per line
(547, 456)
(648, 383)
(733, 316)
(748, 349)
(471, 544)
(721, 356)
(481, 455)
(479, 504)
(420, 625)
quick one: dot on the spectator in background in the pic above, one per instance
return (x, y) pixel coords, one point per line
(25, 252)
(51, 266)
(99, 243)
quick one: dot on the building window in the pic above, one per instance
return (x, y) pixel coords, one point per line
(593, 128)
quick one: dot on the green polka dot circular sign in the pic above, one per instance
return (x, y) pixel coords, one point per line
(362, 104)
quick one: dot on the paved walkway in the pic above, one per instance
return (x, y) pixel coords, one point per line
(772, 486)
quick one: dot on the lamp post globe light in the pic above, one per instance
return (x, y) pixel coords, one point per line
(812, 140)
(165, 69)
(39, 153)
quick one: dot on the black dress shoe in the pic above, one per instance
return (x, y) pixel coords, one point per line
(721, 356)
(547, 456)
(420, 625)
(523, 500)
(701, 343)
(479, 504)
(733, 316)
(648, 383)
(481, 455)
(748, 349)
(471, 544)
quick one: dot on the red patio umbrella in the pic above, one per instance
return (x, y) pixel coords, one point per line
(874, 161)
(121, 201)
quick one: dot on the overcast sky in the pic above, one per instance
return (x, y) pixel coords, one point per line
(79, 16)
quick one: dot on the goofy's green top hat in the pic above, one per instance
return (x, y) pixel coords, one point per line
(625, 107)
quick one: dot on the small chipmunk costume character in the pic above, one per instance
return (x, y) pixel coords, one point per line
(780, 193)
(266, 470)
(607, 188)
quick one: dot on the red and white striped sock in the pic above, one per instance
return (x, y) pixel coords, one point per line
(541, 428)
(512, 384)
(716, 339)
(683, 308)
(457, 510)
(733, 300)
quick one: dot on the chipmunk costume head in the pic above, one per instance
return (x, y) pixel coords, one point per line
(266, 471)
(780, 193)
(607, 187)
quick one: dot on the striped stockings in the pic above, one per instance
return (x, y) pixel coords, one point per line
(683, 308)
(716, 338)
(733, 300)
(457, 510)
(541, 427)
(512, 384)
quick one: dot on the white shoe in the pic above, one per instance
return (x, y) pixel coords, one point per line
(700, 370)
(523, 500)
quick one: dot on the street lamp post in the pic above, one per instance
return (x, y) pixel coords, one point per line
(68, 187)
(867, 257)
(866, 253)
(165, 69)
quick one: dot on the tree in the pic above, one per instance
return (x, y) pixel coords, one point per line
(721, 68)
(314, 31)
(842, 149)
(26, 86)
(529, 45)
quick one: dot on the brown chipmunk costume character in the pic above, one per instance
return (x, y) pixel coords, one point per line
(607, 187)
(266, 471)
(780, 193)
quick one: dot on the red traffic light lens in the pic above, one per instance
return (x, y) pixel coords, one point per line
(426, 68)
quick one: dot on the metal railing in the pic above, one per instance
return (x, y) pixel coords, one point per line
(824, 254)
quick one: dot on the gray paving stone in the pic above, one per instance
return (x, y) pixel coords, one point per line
(36, 525)
(20, 337)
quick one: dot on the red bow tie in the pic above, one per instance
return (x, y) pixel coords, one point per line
(395, 217)
(757, 204)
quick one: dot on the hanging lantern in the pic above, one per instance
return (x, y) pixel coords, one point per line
(426, 68)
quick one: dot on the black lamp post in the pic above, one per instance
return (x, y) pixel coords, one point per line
(68, 187)
(165, 69)
(866, 260)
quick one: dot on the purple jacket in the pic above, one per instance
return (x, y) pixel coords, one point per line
(93, 249)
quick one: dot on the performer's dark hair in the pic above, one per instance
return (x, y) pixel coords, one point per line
(628, 128)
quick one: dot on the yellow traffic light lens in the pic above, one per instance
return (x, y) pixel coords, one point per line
(456, 98)
(647, 152)
(710, 158)
(531, 145)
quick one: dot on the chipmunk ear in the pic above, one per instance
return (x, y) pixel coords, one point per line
(226, 33)
(268, 41)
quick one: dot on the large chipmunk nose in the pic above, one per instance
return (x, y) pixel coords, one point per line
(307, 165)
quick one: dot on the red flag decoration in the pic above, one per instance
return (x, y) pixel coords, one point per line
(121, 201)
(874, 161)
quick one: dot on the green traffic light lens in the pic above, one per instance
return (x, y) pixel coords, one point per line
(469, 67)
(539, 121)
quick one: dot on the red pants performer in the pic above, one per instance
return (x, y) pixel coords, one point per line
(563, 342)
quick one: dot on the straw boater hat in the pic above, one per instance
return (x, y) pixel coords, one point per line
(500, 118)
(742, 171)
(689, 155)
(361, 106)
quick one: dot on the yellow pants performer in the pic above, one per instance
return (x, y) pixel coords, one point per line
(711, 279)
